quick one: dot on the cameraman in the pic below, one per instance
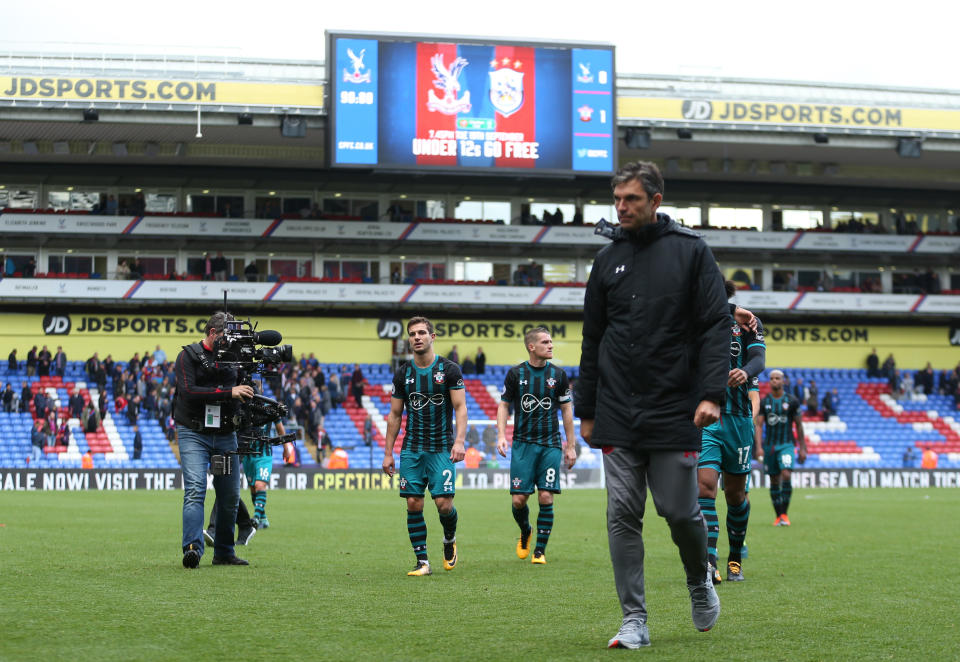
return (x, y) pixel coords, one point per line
(204, 410)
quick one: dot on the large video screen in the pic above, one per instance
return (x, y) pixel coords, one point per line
(431, 103)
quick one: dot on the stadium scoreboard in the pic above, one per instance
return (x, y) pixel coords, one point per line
(438, 103)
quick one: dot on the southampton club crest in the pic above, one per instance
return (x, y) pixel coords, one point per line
(447, 81)
(506, 86)
(357, 75)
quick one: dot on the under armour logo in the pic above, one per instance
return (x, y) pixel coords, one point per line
(523, 381)
(410, 381)
(620, 269)
(530, 403)
(418, 400)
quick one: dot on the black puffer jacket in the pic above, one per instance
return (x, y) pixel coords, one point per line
(656, 338)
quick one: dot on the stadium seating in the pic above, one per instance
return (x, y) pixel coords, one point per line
(871, 429)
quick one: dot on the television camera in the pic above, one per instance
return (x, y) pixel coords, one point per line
(252, 353)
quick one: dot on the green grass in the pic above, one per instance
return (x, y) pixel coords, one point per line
(861, 575)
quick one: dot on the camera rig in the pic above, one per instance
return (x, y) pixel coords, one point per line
(238, 348)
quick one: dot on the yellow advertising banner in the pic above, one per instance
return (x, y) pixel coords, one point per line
(821, 346)
(785, 114)
(156, 91)
(371, 340)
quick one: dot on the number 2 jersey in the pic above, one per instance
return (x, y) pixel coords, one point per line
(778, 415)
(536, 394)
(426, 396)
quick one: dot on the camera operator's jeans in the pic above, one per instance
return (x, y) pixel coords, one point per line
(195, 451)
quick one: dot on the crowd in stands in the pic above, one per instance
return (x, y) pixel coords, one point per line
(905, 384)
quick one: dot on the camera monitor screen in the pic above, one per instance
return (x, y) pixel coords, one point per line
(432, 103)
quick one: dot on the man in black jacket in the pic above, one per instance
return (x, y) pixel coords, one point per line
(203, 410)
(653, 370)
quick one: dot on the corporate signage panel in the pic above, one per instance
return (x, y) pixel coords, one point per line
(448, 103)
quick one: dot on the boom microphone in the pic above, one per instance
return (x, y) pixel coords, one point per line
(270, 338)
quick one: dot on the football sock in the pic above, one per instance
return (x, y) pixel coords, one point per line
(449, 523)
(259, 503)
(737, 518)
(708, 507)
(786, 491)
(775, 498)
(522, 517)
(417, 528)
(544, 526)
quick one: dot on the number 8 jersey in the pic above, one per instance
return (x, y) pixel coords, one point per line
(536, 394)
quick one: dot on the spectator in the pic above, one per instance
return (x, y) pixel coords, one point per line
(368, 430)
(60, 362)
(948, 382)
(453, 355)
(123, 270)
(333, 386)
(111, 207)
(906, 386)
(873, 364)
(219, 266)
(481, 362)
(12, 365)
(314, 420)
(889, 365)
(925, 379)
(467, 367)
(251, 272)
(929, 458)
(895, 382)
(799, 390)
(356, 385)
(831, 402)
(159, 356)
(63, 434)
(93, 367)
(32, 361)
(9, 267)
(86, 462)
(206, 267)
(43, 363)
(139, 207)
(133, 409)
(76, 403)
(136, 269)
(137, 442)
(8, 395)
(813, 398)
(489, 437)
(326, 399)
(324, 445)
(37, 439)
(40, 405)
(910, 457)
(26, 395)
(30, 268)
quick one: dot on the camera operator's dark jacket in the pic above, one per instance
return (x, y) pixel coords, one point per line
(199, 386)
(656, 338)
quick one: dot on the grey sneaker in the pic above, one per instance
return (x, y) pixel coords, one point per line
(704, 605)
(632, 634)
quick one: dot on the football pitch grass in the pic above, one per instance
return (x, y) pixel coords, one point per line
(861, 575)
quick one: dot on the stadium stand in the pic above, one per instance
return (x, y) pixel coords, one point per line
(870, 430)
